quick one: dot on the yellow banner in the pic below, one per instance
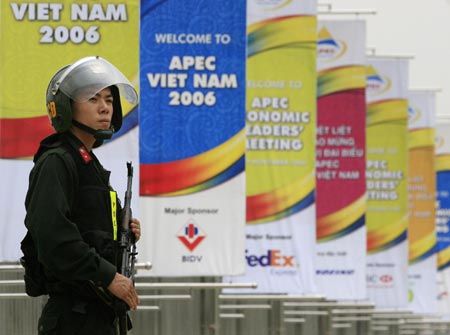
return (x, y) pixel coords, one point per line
(37, 39)
(281, 118)
(340, 79)
(420, 138)
(387, 112)
(422, 185)
(387, 184)
(442, 162)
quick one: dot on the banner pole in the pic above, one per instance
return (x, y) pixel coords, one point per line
(373, 55)
(348, 12)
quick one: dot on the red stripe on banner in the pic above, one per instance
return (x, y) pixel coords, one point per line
(171, 176)
(21, 137)
(263, 205)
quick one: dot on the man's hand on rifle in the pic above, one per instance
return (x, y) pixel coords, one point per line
(135, 227)
(122, 287)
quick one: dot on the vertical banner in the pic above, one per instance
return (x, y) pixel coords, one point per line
(442, 164)
(192, 140)
(341, 160)
(280, 145)
(422, 271)
(37, 39)
(387, 181)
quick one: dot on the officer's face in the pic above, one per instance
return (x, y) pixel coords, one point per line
(96, 112)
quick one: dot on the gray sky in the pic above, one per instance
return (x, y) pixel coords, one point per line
(413, 28)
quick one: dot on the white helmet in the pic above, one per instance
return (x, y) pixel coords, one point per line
(81, 81)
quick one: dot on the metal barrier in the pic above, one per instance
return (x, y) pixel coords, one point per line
(404, 322)
(200, 315)
(268, 314)
(198, 306)
(334, 317)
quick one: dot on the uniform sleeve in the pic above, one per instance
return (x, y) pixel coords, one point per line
(58, 240)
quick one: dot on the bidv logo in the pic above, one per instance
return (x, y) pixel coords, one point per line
(191, 235)
(376, 83)
(272, 257)
(414, 114)
(329, 48)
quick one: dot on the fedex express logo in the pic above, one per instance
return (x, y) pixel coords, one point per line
(329, 48)
(272, 257)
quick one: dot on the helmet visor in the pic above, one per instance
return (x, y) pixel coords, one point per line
(85, 78)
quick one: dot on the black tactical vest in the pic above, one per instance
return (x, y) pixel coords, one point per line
(96, 207)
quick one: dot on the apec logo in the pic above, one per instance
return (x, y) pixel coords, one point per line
(414, 114)
(191, 235)
(272, 258)
(439, 141)
(375, 83)
(329, 48)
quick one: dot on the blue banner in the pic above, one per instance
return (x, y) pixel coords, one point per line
(192, 85)
(192, 135)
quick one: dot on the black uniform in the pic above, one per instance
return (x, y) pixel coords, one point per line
(72, 215)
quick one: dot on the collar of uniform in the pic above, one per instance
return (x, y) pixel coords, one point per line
(84, 154)
(79, 147)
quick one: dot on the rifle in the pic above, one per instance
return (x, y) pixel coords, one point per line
(127, 253)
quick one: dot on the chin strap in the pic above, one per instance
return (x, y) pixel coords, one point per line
(99, 134)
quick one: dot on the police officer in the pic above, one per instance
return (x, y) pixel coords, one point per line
(72, 212)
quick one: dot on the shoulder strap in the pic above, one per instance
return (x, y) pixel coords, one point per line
(65, 152)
